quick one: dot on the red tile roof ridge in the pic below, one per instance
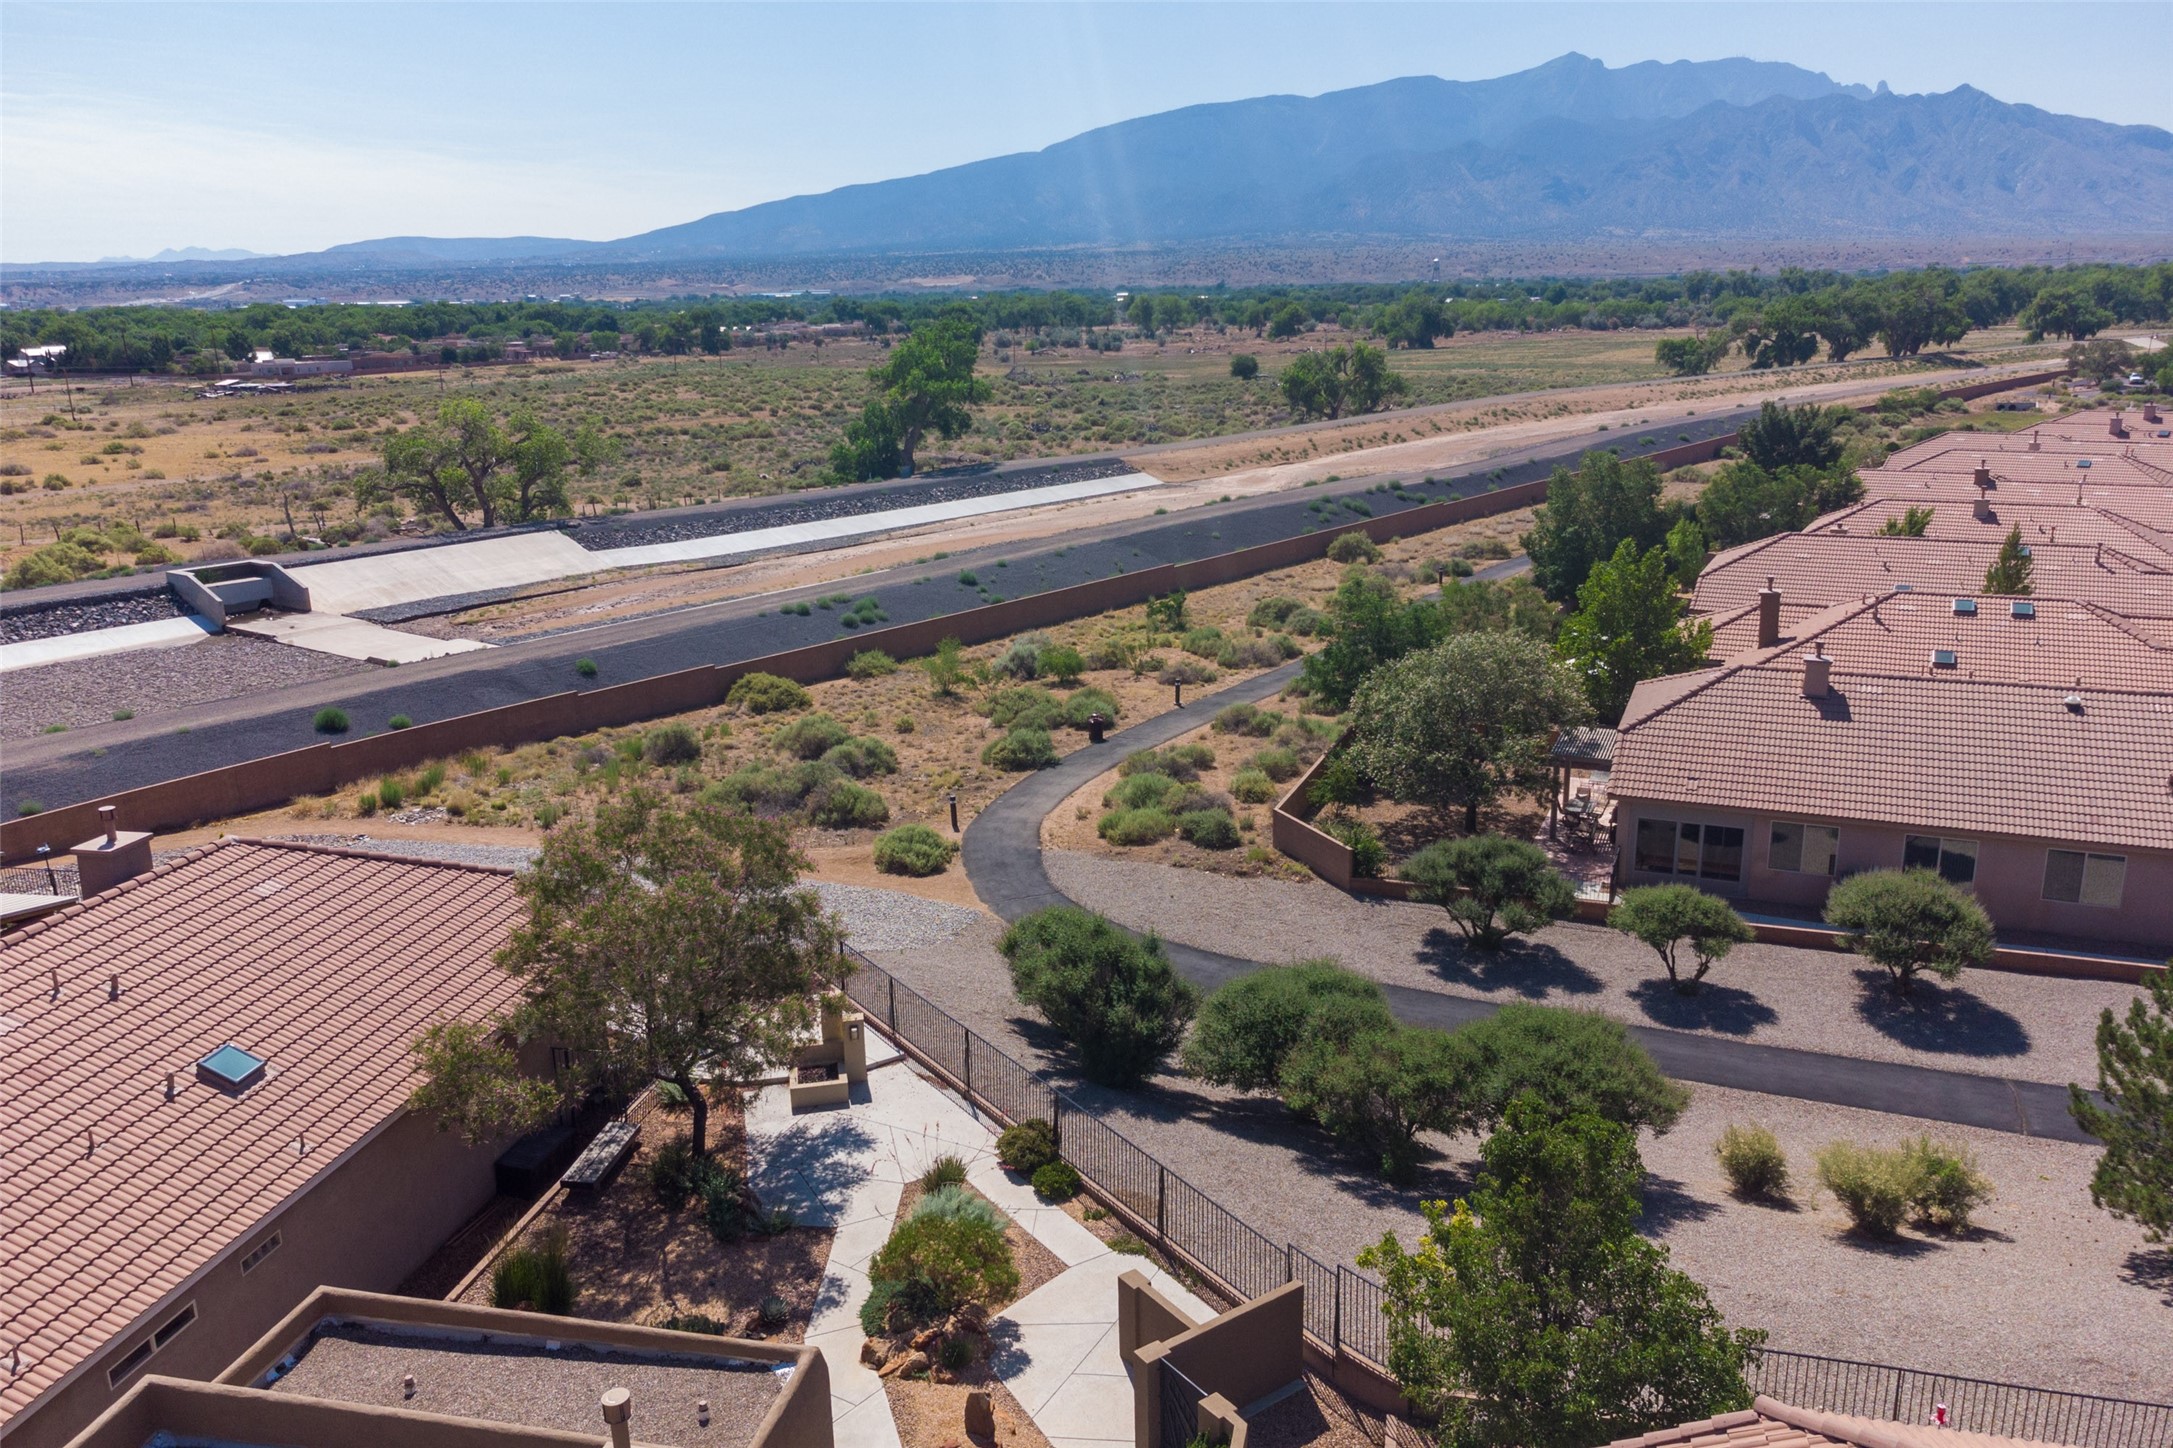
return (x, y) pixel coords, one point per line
(388, 856)
(1876, 1432)
(1741, 1417)
(1809, 629)
(2121, 622)
(69, 912)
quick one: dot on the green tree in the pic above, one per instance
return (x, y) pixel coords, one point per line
(2064, 311)
(1350, 379)
(1910, 523)
(1687, 547)
(1288, 321)
(456, 465)
(2010, 572)
(1248, 1028)
(1375, 1087)
(539, 455)
(472, 1080)
(1105, 990)
(1908, 922)
(660, 942)
(1535, 1315)
(1587, 515)
(1781, 436)
(1568, 1061)
(1244, 366)
(1513, 605)
(1692, 356)
(1463, 722)
(1413, 320)
(1140, 313)
(946, 667)
(1669, 917)
(1630, 625)
(2134, 1178)
(1493, 887)
(1369, 624)
(927, 385)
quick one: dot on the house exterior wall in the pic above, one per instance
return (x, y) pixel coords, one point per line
(376, 1218)
(2009, 882)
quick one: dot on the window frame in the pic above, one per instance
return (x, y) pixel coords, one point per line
(141, 1354)
(1965, 848)
(1694, 836)
(2082, 879)
(1803, 830)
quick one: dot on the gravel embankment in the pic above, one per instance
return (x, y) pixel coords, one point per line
(1990, 1022)
(80, 692)
(2049, 1292)
(47, 621)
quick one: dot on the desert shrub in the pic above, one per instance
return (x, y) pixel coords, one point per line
(330, 721)
(1142, 791)
(954, 1353)
(861, 757)
(876, 1311)
(1248, 1028)
(366, 803)
(1257, 653)
(1196, 756)
(1279, 764)
(1063, 663)
(1752, 1160)
(811, 736)
(391, 793)
(1492, 886)
(1023, 705)
(1203, 642)
(1027, 1147)
(1272, 612)
(1376, 1089)
(955, 1202)
(1306, 623)
(1570, 1061)
(1144, 826)
(763, 789)
(840, 804)
(1945, 1186)
(728, 1209)
(1111, 653)
(586, 668)
(1369, 855)
(870, 664)
(700, 1322)
(535, 1279)
(1354, 547)
(1871, 1185)
(944, 1171)
(431, 776)
(1090, 700)
(1252, 786)
(940, 1264)
(760, 693)
(399, 721)
(1210, 829)
(1057, 1182)
(1185, 671)
(1248, 719)
(1021, 749)
(675, 1173)
(913, 850)
(774, 1311)
(1022, 660)
(1111, 994)
(671, 744)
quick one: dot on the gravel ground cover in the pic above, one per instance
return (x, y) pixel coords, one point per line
(820, 505)
(1989, 1022)
(52, 620)
(82, 692)
(2049, 1291)
(508, 1382)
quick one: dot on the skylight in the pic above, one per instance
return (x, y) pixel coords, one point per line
(1965, 608)
(2082, 462)
(231, 1069)
(2022, 608)
(1944, 658)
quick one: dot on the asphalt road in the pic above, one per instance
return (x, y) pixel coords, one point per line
(1001, 852)
(102, 759)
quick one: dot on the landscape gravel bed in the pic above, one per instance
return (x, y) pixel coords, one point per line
(20, 624)
(2035, 1028)
(820, 505)
(80, 692)
(2049, 1291)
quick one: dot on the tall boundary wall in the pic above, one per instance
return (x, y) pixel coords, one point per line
(274, 780)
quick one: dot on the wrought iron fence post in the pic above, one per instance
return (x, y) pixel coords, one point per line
(893, 1001)
(1161, 1200)
(969, 1068)
(1895, 1415)
(1336, 1347)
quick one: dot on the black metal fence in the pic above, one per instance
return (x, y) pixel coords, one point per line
(1905, 1395)
(1346, 1310)
(1181, 1397)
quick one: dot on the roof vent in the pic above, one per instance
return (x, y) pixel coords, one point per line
(2022, 608)
(2073, 703)
(1945, 658)
(1965, 608)
(231, 1069)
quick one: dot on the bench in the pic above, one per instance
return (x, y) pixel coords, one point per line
(602, 1156)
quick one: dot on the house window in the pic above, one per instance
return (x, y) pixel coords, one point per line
(1804, 849)
(2079, 878)
(168, 1330)
(1693, 851)
(173, 1326)
(1952, 860)
(258, 1253)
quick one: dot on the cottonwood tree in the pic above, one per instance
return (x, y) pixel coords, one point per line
(1463, 722)
(1587, 514)
(1342, 380)
(927, 385)
(1534, 1313)
(1630, 625)
(661, 943)
(464, 463)
(2134, 1178)
(1671, 917)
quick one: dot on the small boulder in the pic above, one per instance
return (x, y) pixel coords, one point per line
(980, 1415)
(905, 1364)
(927, 1338)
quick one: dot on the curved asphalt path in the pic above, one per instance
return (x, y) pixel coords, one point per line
(1002, 855)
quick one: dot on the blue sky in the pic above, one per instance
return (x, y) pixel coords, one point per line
(125, 128)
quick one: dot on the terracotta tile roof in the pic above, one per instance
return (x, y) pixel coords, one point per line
(1923, 748)
(326, 963)
(1825, 568)
(1767, 1423)
(2136, 525)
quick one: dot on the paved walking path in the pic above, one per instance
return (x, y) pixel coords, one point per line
(1002, 855)
(1055, 1348)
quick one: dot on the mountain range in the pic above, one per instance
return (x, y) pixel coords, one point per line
(1569, 151)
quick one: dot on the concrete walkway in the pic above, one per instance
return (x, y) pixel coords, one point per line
(1002, 855)
(1055, 1349)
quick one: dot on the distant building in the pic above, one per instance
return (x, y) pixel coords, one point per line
(37, 361)
(264, 364)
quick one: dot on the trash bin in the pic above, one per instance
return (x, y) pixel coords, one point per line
(1097, 726)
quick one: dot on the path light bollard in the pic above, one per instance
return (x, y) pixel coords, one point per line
(618, 1405)
(954, 811)
(1179, 688)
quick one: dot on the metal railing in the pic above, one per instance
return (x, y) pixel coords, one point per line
(1973, 1405)
(1346, 1310)
(1179, 1424)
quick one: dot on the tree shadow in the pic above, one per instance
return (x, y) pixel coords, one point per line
(2151, 1269)
(1899, 1248)
(1939, 1018)
(1526, 967)
(1668, 1202)
(1722, 1008)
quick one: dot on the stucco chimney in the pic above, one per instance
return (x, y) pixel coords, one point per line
(2150, 412)
(1769, 615)
(1817, 671)
(112, 857)
(1981, 510)
(2117, 424)
(1983, 478)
